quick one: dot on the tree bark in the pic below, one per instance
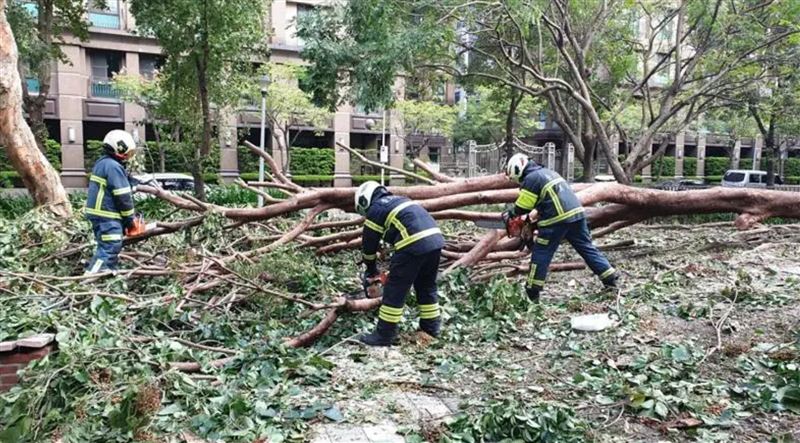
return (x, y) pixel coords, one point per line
(516, 98)
(35, 104)
(39, 177)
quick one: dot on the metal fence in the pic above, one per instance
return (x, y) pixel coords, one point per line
(473, 160)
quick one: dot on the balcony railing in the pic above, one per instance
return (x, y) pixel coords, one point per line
(33, 85)
(106, 21)
(104, 90)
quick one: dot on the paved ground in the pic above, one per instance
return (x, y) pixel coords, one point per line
(397, 403)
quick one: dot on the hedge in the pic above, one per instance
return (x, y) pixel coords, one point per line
(312, 161)
(52, 152)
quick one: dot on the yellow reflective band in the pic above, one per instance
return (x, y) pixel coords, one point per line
(127, 213)
(549, 185)
(99, 180)
(390, 218)
(111, 237)
(122, 191)
(391, 310)
(534, 282)
(100, 194)
(101, 213)
(374, 226)
(96, 266)
(369, 257)
(400, 228)
(562, 217)
(430, 315)
(608, 273)
(542, 241)
(556, 201)
(526, 199)
(532, 274)
(391, 315)
(418, 236)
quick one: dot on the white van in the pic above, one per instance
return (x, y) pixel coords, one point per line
(744, 178)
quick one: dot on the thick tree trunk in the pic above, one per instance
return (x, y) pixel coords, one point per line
(516, 98)
(37, 174)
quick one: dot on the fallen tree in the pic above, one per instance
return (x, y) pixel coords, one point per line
(609, 207)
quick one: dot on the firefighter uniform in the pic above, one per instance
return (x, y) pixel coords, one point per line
(561, 217)
(417, 242)
(109, 207)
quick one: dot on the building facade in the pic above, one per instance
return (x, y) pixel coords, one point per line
(83, 105)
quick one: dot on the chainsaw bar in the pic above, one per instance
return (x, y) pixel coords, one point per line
(490, 224)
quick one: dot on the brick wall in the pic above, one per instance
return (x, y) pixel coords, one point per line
(13, 361)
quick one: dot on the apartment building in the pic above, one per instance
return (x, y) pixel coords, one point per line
(84, 106)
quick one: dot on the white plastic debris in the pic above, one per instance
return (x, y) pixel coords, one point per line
(591, 323)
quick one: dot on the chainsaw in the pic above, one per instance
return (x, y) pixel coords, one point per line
(520, 226)
(373, 286)
(139, 227)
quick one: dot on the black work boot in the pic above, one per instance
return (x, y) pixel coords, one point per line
(431, 326)
(611, 282)
(533, 293)
(385, 334)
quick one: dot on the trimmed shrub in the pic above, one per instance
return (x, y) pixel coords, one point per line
(312, 161)
(52, 152)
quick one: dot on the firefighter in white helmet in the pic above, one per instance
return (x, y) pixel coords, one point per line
(109, 204)
(417, 243)
(560, 217)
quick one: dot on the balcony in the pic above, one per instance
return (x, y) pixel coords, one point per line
(33, 85)
(103, 89)
(105, 21)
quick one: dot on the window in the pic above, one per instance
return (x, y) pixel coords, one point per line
(303, 11)
(734, 177)
(104, 65)
(149, 64)
(755, 178)
(433, 155)
(107, 17)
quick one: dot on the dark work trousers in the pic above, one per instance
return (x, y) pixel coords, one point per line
(578, 235)
(407, 270)
(108, 235)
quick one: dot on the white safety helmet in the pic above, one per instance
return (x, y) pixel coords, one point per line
(364, 195)
(119, 143)
(516, 164)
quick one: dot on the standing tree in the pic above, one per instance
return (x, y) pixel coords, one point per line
(424, 119)
(589, 60)
(289, 108)
(40, 27)
(40, 178)
(211, 48)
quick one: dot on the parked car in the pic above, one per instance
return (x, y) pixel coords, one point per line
(684, 184)
(167, 181)
(744, 178)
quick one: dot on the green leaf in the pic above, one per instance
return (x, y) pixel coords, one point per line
(661, 409)
(789, 397)
(680, 354)
(334, 414)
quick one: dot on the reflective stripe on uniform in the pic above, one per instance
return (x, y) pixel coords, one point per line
(111, 237)
(99, 180)
(390, 314)
(561, 217)
(556, 201)
(98, 203)
(418, 236)
(374, 226)
(122, 191)
(369, 257)
(609, 272)
(542, 241)
(391, 219)
(127, 213)
(427, 312)
(532, 277)
(526, 199)
(96, 266)
(549, 185)
(106, 214)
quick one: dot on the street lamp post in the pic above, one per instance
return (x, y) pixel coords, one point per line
(264, 85)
